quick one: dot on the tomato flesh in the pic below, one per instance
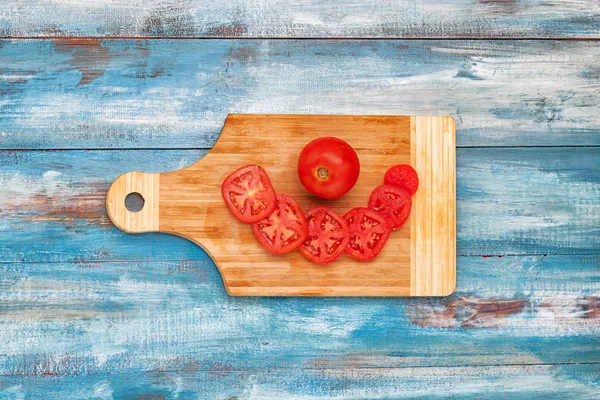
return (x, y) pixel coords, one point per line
(392, 203)
(285, 229)
(368, 233)
(327, 235)
(328, 167)
(249, 194)
(403, 176)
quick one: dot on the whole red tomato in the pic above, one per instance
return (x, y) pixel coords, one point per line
(328, 167)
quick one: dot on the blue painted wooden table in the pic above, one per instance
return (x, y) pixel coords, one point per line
(89, 91)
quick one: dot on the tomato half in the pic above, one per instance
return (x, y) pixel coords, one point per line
(403, 176)
(327, 235)
(328, 167)
(283, 230)
(392, 203)
(368, 233)
(249, 194)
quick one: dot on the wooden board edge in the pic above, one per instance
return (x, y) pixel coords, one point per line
(321, 291)
(145, 184)
(433, 141)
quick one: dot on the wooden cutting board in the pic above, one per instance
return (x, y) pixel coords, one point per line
(419, 259)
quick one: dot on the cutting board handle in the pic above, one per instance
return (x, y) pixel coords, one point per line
(146, 185)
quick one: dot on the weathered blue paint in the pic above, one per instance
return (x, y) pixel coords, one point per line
(87, 311)
(536, 382)
(147, 314)
(134, 317)
(87, 93)
(510, 201)
(305, 18)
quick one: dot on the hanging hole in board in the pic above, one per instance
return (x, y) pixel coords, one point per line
(134, 202)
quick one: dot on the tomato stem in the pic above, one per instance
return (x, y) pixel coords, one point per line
(322, 173)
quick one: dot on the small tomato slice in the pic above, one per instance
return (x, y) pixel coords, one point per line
(403, 176)
(327, 235)
(249, 194)
(392, 203)
(368, 233)
(285, 229)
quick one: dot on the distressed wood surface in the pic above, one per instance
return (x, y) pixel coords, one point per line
(160, 322)
(87, 311)
(89, 93)
(304, 18)
(509, 201)
(82, 302)
(119, 317)
(217, 381)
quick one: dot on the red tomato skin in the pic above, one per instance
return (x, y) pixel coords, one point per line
(267, 194)
(394, 211)
(300, 226)
(381, 230)
(314, 217)
(403, 176)
(340, 161)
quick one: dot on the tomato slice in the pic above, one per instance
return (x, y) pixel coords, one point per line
(392, 203)
(403, 176)
(368, 233)
(249, 194)
(327, 235)
(285, 229)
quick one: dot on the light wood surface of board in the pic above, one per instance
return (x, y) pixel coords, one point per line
(416, 261)
(433, 217)
(146, 219)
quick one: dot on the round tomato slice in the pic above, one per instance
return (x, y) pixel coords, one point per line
(368, 233)
(283, 230)
(403, 176)
(392, 203)
(249, 194)
(327, 235)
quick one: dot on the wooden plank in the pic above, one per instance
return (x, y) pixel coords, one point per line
(120, 317)
(218, 381)
(307, 18)
(528, 201)
(90, 93)
(509, 201)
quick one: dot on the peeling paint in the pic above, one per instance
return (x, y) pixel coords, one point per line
(88, 56)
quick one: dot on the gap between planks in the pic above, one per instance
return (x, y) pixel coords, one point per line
(49, 150)
(142, 260)
(351, 368)
(462, 38)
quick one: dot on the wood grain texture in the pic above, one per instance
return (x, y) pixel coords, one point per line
(189, 203)
(301, 19)
(433, 217)
(142, 325)
(144, 184)
(536, 382)
(84, 93)
(87, 311)
(84, 296)
(509, 201)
